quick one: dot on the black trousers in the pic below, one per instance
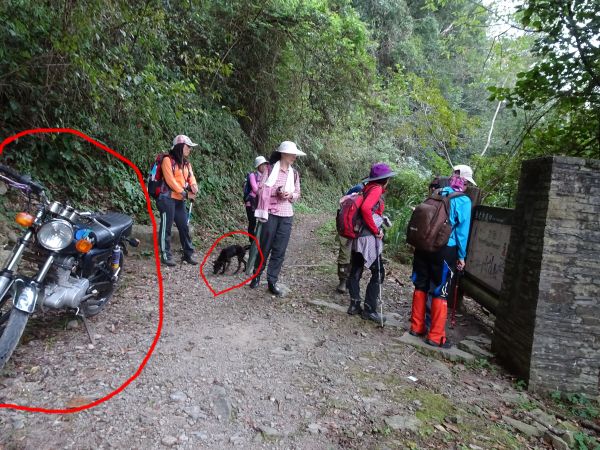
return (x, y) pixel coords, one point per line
(274, 237)
(356, 271)
(172, 210)
(251, 222)
(434, 272)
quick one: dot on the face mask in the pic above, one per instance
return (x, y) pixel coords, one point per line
(457, 183)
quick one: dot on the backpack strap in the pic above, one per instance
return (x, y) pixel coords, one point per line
(189, 166)
(365, 193)
(445, 199)
(439, 191)
(173, 163)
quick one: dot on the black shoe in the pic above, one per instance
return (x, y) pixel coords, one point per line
(354, 307)
(374, 316)
(190, 260)
(414, 333)
(341, 288)
(445, 345)
(168, 262)
(370, 312)
(273, 289)
(254, 283)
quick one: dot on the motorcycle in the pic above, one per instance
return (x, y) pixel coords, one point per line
(65, 259)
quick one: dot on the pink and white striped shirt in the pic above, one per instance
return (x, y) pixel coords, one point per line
(284, 207)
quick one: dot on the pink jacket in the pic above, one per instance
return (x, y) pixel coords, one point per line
(255, 179)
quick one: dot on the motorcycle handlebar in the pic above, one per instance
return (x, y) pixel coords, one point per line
(37, 188)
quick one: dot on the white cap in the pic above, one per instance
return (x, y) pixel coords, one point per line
(290, 148)
(183, 139)
(465, 172)
(259, 160)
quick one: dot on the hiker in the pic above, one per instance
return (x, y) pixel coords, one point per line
(437, 269)
(367, 248)
(179, 177)
(277, 193)
(437, 183)
(344, 250)
(261, 167)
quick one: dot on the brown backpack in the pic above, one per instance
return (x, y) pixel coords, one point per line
(429, 228)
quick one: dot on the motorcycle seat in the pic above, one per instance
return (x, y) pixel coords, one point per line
(119, 224)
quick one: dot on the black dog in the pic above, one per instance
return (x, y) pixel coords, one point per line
(224, 260)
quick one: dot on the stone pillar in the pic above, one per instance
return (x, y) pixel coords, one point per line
(547, 327)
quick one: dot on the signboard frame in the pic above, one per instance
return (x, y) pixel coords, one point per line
(473, 284)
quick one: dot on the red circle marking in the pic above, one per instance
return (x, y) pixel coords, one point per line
(156, 259)
(262, 260)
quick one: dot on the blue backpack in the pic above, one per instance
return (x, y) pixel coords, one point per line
(247, 188)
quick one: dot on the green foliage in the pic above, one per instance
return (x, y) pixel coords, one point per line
(562, 86)
(405, 191)
(585, 442)
(351, 81)
(577, 404)
(521, 385)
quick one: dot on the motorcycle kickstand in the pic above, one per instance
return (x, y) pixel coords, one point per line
(87, 326)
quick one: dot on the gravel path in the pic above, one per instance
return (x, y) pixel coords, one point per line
(247, 370)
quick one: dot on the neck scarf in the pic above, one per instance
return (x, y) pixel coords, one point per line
(457, 183)
(289, 182)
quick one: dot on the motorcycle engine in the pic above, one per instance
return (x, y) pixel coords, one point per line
(61, 289)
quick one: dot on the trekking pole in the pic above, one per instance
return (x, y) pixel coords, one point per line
(253, 253)
(379, 281)
(189, 215)
(459, 274)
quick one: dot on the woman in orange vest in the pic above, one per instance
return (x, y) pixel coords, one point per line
(179, 177)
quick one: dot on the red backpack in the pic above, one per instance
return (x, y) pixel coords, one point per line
(429, 226)
(349, 221)
(155, 182)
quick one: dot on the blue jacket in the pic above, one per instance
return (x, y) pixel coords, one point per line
(460, 219)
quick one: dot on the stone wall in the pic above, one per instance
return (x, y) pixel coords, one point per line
(548, 322)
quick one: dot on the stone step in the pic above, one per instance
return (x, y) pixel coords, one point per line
(453, 354)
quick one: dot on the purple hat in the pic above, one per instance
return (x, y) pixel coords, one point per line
(379, 171)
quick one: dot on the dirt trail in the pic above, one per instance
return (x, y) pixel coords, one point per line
(247, 370)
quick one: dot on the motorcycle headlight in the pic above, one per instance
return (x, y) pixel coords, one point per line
(55, 235)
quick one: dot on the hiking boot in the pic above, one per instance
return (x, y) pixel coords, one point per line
(190, 260)
(255, 282)
(168, 262)
(343, 270)
(370, 312)
(273, 289)
(445, 344)
(354, 307)
(374, 316)
(341, 288)
(414, 333)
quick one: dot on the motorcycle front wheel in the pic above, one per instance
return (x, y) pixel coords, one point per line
(12, 325)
